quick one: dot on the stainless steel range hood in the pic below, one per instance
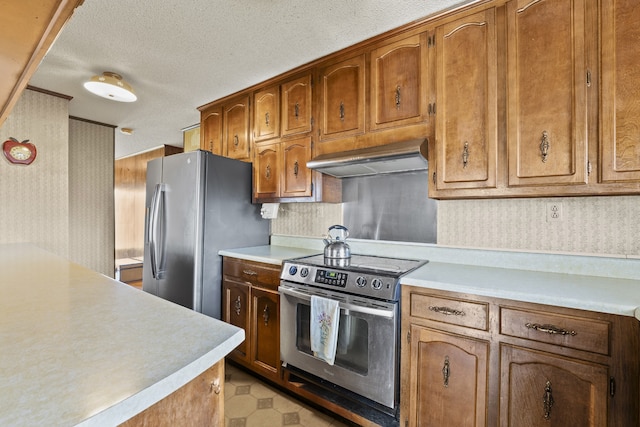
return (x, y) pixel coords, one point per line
(403, 156)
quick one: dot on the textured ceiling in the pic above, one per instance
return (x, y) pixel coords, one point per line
(179, 55)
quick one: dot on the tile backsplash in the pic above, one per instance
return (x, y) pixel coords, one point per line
(604, 225)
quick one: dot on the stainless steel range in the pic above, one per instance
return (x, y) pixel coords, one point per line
(365, 375)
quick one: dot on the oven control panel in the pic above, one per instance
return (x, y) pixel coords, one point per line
(360, 283)
(330, 277)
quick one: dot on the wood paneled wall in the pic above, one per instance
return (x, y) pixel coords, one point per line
(129, 186)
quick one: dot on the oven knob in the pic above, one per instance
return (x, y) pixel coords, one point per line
(304, 272)
(293, 270)
(376, 283)
(361, 282)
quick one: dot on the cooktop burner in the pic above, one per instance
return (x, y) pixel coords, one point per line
(366, 275)
(364, 263)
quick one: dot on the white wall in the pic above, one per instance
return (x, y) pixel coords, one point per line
(63, 201)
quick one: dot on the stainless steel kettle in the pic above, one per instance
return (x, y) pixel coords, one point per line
(335, 246)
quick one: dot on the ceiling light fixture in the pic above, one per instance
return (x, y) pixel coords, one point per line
(126, 131)
(111, 86)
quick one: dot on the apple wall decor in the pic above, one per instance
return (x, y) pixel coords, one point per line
(21, 153)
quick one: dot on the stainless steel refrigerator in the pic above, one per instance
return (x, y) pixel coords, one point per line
(196, 204)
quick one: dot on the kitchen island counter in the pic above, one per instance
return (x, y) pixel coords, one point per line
(79, 348)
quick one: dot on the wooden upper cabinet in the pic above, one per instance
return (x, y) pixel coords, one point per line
(466, 100)
(546, 92)
(342, 98)
(266, 118)
(236, 128)
(296, 177)
(296, 105)
(399, 82)
(211, 130)
(620, 92)
(266, 169)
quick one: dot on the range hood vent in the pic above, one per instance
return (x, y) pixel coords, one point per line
(404, 156)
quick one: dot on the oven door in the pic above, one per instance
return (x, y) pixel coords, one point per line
(367, 354)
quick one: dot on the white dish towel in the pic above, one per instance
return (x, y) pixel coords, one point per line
(325, 319)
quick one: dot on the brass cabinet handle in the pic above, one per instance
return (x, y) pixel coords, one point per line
(250, 272)
(296, 111)
(398, 97)
(238, 305)
(215, 386)
(265, 314)
(296, 169)
(465, 154)
(236, 140)
(446, 371)
(547, 400)
(266, 118)
(550, 329)
(447, 311)
(544, 146)
(267, 172)
(341, 111)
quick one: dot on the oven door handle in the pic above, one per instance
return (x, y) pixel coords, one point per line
(343, 305)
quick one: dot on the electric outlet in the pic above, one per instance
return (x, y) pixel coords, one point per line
(554, 212)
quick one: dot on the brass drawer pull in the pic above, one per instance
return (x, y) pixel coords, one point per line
(238, 306)
(215, 387)
(296, 111)
(398, 97)
(465, 154)
(250, 272)
(341, 111)
(265, 315)
(547, 400)
(447, 311)
(550, 329)
(236, 140)
(446, 371)
(544, 146)
(266, 119)
(296, 169)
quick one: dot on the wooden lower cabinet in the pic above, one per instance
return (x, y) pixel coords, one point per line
(541, 389)
(251, 302)
(527, 365)
(447, 379)
(200, 402)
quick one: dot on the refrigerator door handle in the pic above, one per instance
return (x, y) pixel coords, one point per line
(154, 241)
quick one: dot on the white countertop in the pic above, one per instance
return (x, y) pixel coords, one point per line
(603, 284)
(601, 294)
(78, 348)
(268, 254)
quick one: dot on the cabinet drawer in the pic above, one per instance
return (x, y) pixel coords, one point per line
(259, 274)
(568, 331)
(456, 312)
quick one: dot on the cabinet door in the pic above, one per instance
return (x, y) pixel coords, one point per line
(266, 119)
(296, 176)
(342, 96)
(235, 310)
(620, 118)
(399, 83)
(448, 379)
(265, 323)
(541, 389)
(466, 115)
(296, 106)
(211, 125)
(546, 96)
(236, 129)
(266, 166)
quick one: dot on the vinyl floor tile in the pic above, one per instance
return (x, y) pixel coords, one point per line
(249, 402)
